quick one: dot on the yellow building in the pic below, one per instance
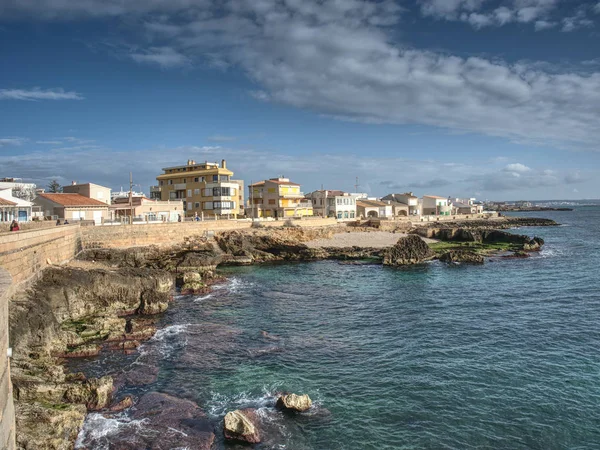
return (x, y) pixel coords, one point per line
(206, 189)
(278, 198)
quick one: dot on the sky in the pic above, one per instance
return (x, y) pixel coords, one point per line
(494, 99)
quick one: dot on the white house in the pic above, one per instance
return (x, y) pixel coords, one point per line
(13, 208)
(434, 205)
(408, 199)
(373, 208)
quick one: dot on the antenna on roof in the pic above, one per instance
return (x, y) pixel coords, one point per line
(356, 186)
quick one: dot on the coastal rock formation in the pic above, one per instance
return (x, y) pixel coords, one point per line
(241, 425)
(461, 256)
(408, 250)
(72, 312)
(294, 402)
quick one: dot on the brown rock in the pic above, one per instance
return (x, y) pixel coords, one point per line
(461, 256)
(294, 402)
(241, 425)
(408, 250)
(125, 403)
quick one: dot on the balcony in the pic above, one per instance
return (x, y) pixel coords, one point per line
(290, 195)
(179, 186)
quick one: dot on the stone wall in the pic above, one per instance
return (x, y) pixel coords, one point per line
(7, 411)
(25, 253)
(121, 236)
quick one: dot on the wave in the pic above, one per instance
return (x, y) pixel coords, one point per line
(220, 404)
(165, 340)
(98, 428)
(233, 285)
(202, 298)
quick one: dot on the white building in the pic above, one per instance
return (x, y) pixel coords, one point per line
(373, 208)
(412, 201)
(13, 208)
(25, 191)
(438, 206)
(338, 204)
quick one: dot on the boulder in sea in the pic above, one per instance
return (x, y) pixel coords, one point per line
(95, 393)
(408, 250)
(533, 245)
(461, 256)
(241, 425)
(294, 402)
(125, 403)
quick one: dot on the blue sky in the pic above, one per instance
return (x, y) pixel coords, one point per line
(486, 98)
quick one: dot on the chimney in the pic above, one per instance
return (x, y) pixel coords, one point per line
(223, 164)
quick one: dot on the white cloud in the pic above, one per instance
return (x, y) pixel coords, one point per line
(543, 25)
(597, 8)
(39, 94)
(12, 142)
(165, 57)
(517, 168)
(49, 142)
(340, 59)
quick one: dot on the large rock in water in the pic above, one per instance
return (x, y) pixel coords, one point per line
(241, 425)
(408, 250)
(461, 256)
(294, 402)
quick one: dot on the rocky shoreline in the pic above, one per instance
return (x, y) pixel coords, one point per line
(108, 299)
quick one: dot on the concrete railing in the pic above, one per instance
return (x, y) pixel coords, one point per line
(7, 409)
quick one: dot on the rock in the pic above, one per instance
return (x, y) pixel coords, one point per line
(456, 256)
(294, 402)
(408, 250)
(48, 426)
(193, 284)
(95, 393)
(517, 254)
(125, 403)
(241, 425)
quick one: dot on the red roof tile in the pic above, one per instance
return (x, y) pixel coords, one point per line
(72, 200)
(4, 202)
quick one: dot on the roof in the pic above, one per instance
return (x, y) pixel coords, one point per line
(370, 203)
(4, 202)
(397, 204)
(461, 205)
(406, 194)
(72, 200)
(436, 196)
(261, 183)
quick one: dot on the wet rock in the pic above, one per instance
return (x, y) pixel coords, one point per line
(294, 402)
(242, 425)
(408, 250)
(461, 256)
(123, 404)
(517, 254)
(193, 284)
(83, 351)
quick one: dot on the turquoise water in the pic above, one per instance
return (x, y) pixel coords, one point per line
(505, 355)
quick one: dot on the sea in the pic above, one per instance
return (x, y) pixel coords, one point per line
(500, 356)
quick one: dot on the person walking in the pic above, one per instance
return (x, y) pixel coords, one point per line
(14, 226)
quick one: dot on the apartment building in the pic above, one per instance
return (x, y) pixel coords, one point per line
(338, 204)
(278, 198)
(206, 189)
(435, 205)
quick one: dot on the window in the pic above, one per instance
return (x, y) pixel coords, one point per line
(170, 181)
(352, 214)
(208, 205)
(184, 180)
(202, 179)
(223, 205)
(196, 180)
(215, 177)
(224, 177)
(220, 191)
(196, 191)
(339, 215)
(197, 205)
(161, 182)
(271, 190)
(271, 201)
(172, 195)
(189, 192)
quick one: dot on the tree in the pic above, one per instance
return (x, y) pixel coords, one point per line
(54, 187)
(24, 192)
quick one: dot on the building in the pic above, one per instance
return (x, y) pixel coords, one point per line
(24, 191)
(13, 208)
(119, 195)
(398, 209)
(155, 192)
(338, 204)
(72, 207)
(89, 190)
(146, 210)
(373, 208)
(278, 198)
(434, 205)
(205, 188)
(408, 199)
